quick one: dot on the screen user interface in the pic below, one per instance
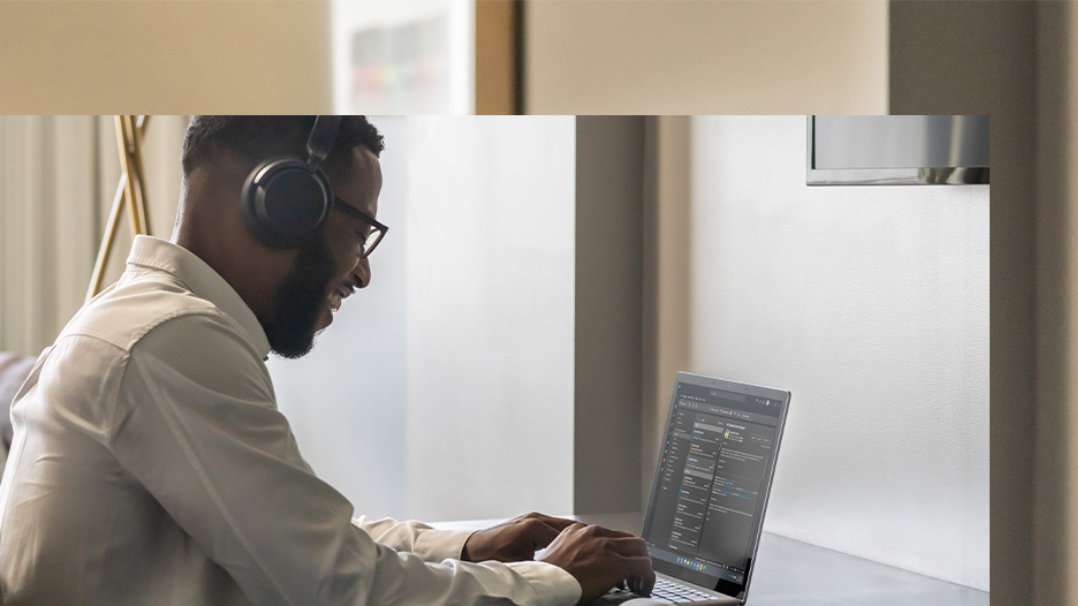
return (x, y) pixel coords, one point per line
(708, 502)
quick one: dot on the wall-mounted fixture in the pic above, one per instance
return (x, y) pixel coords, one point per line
(897, 150)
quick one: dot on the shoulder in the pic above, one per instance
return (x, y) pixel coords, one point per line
(202, 347)
(151, 332)
(125, 314)
(197, 359)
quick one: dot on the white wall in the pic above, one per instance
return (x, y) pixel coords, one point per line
(490, 309)
(444, 390)
(871, 305)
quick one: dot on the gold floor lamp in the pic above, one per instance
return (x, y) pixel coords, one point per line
(130, 193)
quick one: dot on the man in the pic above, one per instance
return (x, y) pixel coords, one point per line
(150, 464)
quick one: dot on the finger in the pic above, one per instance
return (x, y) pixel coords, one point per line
(638, 566)
(572, 529)
(542, 534)
(609, 532)
(565, 535)
(539, 534)
(643, 586)
(544, 528)
(629, 546)
(554, 522)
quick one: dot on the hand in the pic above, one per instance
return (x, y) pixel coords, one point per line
(515, 540)
(600, 558)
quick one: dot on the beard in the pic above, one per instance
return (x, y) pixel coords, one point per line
(300, 299)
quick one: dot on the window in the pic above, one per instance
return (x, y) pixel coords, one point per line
(414, 57)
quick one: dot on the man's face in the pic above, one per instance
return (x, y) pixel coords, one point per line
(328, 268)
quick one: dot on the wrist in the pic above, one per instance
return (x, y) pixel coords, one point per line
(464, 555)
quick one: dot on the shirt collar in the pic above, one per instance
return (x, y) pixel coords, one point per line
(202, 280)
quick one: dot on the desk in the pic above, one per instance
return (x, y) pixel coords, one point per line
(792, 573)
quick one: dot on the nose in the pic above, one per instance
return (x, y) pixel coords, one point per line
(361, 275)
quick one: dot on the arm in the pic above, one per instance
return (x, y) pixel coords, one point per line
(514, 540)
(196, 425)
(433, 545)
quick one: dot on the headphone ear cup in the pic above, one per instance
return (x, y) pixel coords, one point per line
(285, 201)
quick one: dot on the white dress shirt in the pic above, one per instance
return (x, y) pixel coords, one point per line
(150, 466)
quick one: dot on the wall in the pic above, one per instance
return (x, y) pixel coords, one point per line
(608, 352)
(667, 267)
(688, 56)
(166, 56)
(445, 390)
(1055, 503)
(983, 57)
(490, 306)
(871, 305)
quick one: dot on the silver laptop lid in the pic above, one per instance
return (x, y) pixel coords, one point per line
(712, 481)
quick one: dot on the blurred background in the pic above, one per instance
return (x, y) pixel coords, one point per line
(412, 57)
(1015, 61)
(544, 278)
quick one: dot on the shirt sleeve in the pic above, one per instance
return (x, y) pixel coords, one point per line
(195, 423)
(433, 545)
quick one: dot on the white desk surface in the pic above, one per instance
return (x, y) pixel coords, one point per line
(792, 573)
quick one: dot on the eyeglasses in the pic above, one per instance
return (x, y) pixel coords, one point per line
(374, 236)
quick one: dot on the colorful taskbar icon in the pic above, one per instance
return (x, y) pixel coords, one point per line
(691, 564)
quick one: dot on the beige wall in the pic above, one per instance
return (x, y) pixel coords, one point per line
(607, 323)
(169, 56)
(667, 265)
(691, 56)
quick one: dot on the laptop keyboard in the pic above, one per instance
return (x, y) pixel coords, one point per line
(676, 593)
(665, 590)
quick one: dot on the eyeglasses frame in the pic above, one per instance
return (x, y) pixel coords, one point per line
(355, 213)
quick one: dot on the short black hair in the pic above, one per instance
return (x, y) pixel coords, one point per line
(255, 138)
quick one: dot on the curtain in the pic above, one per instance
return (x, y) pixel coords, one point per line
(58, 175)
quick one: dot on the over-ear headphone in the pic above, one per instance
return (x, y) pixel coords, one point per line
(286, 199)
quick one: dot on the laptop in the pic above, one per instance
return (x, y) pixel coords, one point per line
(706, 511)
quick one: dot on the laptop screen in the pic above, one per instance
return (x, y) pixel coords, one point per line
(713, 476)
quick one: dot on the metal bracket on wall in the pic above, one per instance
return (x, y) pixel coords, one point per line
(130, 194)
(897, 150)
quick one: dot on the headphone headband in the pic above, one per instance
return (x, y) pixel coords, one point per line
(320, 143)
